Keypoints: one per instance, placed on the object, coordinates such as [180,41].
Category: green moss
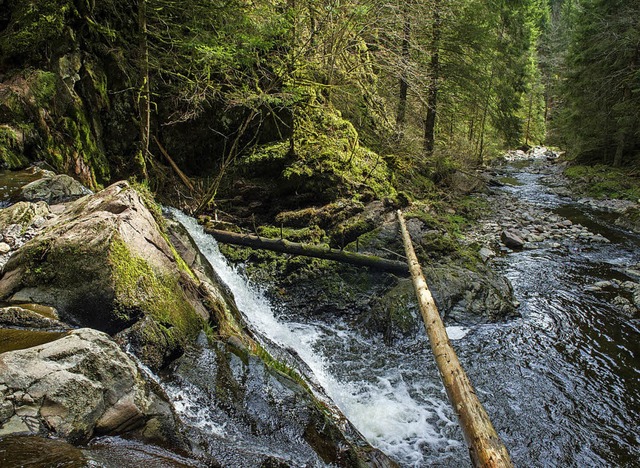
[473,207]
[350,230]
[311,234]
[147,197]
[602,181]
[36,29]
[138,286]
[278,366]
[43,87]
[328,159]
[11,149]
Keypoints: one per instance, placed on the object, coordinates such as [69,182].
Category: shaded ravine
[560,383]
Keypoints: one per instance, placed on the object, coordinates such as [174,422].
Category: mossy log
[308,250]
[485,447]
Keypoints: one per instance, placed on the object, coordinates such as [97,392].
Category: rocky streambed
[119,338]
[535,209]
[126,340]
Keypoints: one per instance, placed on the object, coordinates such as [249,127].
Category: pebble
[38,222]
[486,254]
[4,248]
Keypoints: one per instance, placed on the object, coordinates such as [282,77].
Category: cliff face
[67,92]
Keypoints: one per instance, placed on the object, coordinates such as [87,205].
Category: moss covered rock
[105,263]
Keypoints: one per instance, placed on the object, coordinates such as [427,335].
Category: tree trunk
[485,447]
[404,79]
[432,98]
[144,99]
[307,250]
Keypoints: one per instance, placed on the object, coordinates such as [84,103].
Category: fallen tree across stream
[485,447]
[309,250]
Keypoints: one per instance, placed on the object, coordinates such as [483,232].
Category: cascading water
[381,391]
[560,383]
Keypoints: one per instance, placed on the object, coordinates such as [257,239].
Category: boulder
[79,386]
[511,239]
[104,262]
[25,318]
[54,189]
[22,214]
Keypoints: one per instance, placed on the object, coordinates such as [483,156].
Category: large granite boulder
[104,262]
[78,386]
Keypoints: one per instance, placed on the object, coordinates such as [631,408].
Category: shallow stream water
[560,383]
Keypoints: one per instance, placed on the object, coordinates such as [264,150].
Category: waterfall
[386,403]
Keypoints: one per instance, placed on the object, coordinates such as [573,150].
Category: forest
[384,95]
[209,211]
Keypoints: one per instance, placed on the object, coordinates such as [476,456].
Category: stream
[560,383]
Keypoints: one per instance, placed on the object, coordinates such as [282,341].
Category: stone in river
[511,239]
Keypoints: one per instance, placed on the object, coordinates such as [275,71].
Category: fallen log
[308,250]
[485,447]
[185,180]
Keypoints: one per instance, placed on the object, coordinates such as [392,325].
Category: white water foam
[385,411]
[456,332]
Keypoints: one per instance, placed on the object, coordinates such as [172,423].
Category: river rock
[53,189]
[511,239]
[21,214]
[25,318]
[486,254]
[79,386]
[258,411]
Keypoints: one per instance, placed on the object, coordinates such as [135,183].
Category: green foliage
[601,181]
[328,159]
[37,29]
[599,119]
[11,148]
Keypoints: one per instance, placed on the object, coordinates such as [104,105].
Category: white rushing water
[387,409]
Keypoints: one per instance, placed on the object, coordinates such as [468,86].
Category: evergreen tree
[600,119]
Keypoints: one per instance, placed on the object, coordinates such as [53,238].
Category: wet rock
[25,318]
[634,289]
[78,386]
[53,189]
[262,416]
[511,239]
[4,248]
[625,306]
[633,273]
